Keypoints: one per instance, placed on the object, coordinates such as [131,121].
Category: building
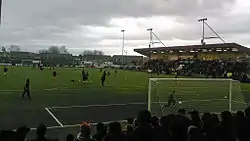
[52,59]
[96,58]
[202,52]
[127,59]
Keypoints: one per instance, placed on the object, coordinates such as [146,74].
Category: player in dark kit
[103,78]
[26,88]
[84,76]
[5,70]
[171,99]
[54,73]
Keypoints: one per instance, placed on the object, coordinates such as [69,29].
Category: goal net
[167,95]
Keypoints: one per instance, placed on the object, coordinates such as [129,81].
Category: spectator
[70,137]
[182,112]
[115,132]
[195,119]
[194,134]
[41,131]
[22,133]
[8,136]
[179,128]
[144,131]
[226,130]
[85,133]
[155,123]
[101,132]
[164,134]
[242,126]
[129,132]
[247,113]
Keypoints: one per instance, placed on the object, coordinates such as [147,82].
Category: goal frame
[192,79]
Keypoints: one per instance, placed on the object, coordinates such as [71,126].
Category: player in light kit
[171,99]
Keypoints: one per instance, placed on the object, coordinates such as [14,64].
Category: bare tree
[54,50]
[15,48]
[92,52]
[3,49]
[43,51]
[63,50]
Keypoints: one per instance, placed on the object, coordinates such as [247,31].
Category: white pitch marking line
[54,117]
[127,104]
[89,106]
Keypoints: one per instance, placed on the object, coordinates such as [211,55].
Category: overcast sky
[97,24]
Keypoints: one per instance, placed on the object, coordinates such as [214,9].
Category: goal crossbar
[192,79]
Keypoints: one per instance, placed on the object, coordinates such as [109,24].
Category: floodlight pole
[203,29]
[150,41]
[150,37]
[204,23]
[123,46]
[126,53]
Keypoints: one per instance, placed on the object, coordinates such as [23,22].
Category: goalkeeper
[171,99]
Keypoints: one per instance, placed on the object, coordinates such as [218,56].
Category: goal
[167,95]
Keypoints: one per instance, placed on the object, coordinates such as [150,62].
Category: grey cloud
[39,23]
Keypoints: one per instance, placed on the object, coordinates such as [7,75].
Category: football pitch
[59,102]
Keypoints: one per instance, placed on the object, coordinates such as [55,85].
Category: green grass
[125,87]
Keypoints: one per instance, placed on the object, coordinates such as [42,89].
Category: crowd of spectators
[214,68]
[181,126]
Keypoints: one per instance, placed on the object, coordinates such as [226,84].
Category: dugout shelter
[201,52]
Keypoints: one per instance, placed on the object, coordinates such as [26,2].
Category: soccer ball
[180,102]
[225,97]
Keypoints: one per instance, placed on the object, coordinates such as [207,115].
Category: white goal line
[127,104]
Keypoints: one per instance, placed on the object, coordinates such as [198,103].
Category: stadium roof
[240,48]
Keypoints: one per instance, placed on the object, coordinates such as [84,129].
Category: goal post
[167,95]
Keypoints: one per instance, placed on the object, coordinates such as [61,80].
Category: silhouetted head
[240,114]
[85,129]
[70,137]
[247,112]
[115,127]
[226,116]
[144,117]
[41,130]
[22,132]
[182,111]
[100,127]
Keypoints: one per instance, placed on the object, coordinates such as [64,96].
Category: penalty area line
[92,106]
[54,117]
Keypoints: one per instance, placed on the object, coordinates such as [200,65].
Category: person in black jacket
[27,88]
